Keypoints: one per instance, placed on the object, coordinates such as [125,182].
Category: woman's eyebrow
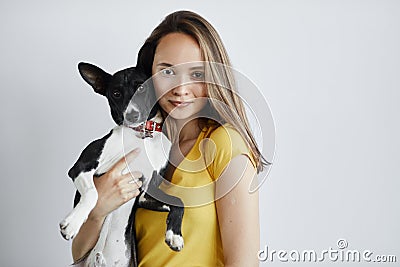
[168,65]
[164,64]
[198,67]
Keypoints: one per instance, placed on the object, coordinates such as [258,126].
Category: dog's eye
[117,94]
[140,89]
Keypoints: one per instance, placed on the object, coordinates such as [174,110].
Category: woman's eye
[140,88]
[167,72]
[117,94]
[199,75]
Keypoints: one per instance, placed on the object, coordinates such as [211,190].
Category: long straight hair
[224,103]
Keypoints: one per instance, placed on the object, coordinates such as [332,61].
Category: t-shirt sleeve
[224,144]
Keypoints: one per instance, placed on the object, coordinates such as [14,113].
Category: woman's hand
[114,189]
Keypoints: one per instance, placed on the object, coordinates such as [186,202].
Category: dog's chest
[153,151]
[112,246]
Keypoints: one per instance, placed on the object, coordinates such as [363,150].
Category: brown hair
[221,91]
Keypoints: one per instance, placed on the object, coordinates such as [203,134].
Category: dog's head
[131,100]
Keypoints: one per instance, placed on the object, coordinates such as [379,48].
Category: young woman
[213,158]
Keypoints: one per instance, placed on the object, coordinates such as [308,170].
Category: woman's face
[178,76]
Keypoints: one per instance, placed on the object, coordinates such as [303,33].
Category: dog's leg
[149,200]
[173,236]
[73,221]
[96,257]
[82,174]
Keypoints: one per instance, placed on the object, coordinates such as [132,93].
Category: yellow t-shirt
[192,181]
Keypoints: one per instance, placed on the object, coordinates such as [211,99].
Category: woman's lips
[180,104]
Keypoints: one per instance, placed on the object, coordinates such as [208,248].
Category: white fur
[173,240]
[111,249]
[74,220]
[165,207]
[142,198]
[129,108]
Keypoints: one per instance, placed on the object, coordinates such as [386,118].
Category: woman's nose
[181,89]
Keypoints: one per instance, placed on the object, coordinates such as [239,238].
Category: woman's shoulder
[226,144]
[226,134]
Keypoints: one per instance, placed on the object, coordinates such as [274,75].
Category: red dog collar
[148,128]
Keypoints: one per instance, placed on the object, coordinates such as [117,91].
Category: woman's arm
[114,189]
[238,213]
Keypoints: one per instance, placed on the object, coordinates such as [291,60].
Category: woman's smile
[179,76]
[180,104]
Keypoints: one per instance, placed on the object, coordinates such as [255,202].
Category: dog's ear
[96,77]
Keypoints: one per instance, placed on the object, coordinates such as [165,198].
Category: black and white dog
[138,126]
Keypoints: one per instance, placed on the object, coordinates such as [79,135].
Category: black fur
[88,160]
[119,89]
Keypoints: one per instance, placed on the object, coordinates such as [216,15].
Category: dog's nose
[132,116]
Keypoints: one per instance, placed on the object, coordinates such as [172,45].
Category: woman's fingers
[115,188]
[129,188]
[130,179]
[129,185]
[133,176]
[124,162]
[129,195]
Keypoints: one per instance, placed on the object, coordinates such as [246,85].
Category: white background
[330,71]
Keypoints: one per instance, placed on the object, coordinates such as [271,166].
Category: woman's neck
[188,129]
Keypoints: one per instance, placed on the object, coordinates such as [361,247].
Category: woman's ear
[95,77]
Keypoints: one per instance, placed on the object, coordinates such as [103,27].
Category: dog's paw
[174,241]
[100,260]
[65,230]
[69,228]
